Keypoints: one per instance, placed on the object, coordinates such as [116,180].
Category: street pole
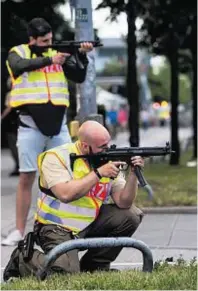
[87,90]
[84,31]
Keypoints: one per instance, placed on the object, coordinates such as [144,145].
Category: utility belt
[26,246]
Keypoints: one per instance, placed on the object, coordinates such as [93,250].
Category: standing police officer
[40,93]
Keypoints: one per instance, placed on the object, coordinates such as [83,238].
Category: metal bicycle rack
[87,243]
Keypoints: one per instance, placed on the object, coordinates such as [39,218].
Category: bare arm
[126,196]
[74,189]
[58,178]
[7,109]
[5,112]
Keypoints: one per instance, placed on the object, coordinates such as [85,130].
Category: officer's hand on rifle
[110,170]
[85,47]
[137,161]
[60,58]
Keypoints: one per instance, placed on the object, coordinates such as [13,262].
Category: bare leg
[23,199]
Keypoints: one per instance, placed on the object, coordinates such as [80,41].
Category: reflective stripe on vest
[54,211]
[39,86]
[77,214]
[20,50]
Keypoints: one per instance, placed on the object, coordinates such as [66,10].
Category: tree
[132,84]
[191,45]
[194,83]
[165,29]
[167,24]
[160,83]
[130,8]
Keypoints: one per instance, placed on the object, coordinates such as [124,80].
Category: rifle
[123,154]
[70,47]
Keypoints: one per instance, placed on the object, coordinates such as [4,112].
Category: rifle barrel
[69,46]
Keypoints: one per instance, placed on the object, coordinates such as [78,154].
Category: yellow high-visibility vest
[78,214]
[39,86]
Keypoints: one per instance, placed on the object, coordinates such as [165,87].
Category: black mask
[94,162]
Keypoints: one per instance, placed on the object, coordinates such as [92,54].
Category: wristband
[97,174]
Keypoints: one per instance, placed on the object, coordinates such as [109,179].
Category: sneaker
[192,163]
[12,239]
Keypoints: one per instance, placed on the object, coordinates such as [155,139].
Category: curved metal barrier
[87,243]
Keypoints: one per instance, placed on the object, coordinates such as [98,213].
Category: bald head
[93,133]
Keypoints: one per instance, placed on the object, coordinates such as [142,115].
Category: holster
[27,246]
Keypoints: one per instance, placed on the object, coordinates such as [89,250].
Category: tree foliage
[132,85]
[167,27]
[160,83]
[164,16]
[171,29]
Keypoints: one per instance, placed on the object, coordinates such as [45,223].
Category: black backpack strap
[21,123]
[45,190]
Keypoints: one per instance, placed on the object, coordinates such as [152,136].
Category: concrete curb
[170,210]
[146,210]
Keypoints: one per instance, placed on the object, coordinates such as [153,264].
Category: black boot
[12,268]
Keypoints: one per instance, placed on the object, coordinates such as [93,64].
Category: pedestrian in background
[123,117]
[112,120]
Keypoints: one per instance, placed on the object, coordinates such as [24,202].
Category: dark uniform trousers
[111,222]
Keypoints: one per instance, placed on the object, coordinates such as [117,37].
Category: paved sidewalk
[168,234]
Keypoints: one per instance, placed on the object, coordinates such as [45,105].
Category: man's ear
[85,146]
[32,40]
